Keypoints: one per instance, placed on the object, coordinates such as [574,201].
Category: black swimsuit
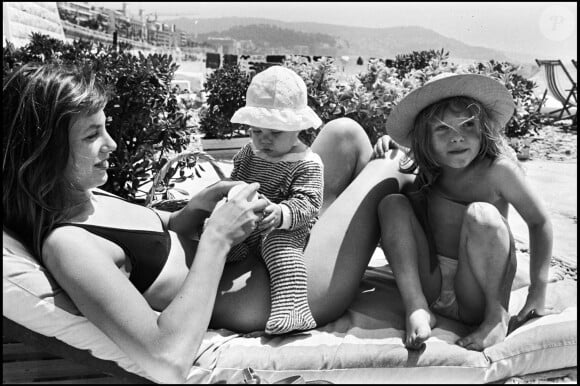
[147,250]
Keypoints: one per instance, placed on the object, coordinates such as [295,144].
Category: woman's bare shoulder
[65,242]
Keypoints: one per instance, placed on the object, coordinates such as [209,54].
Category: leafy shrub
[143,113]
[367,98]
[418,60]
[226,88]
[527,117]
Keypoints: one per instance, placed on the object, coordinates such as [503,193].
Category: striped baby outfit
[296,182]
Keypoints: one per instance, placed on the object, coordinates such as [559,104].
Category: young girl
[291,178]
[449,244]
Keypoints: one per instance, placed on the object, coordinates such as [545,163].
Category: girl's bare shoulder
[505,168]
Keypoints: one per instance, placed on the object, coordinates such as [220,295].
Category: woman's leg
[345,237]
[485,273]
[407,252]
[341,242]
[345,150]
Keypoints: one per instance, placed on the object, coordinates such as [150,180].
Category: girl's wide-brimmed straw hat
[494,96]
[277,99]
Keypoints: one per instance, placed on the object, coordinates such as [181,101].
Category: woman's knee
[484,220]
[343,133]
[344,129]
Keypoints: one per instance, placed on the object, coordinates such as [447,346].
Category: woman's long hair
[493,144]
[38,104]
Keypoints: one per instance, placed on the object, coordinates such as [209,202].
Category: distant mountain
[358,41]
[266,38]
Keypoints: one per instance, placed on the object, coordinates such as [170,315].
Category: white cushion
[365,345]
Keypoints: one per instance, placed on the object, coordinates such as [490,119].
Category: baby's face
[273,143]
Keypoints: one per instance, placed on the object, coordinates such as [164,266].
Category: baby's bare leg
[407,251]
[484,275]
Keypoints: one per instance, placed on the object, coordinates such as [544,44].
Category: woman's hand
[237,218]
[382,146]
[207,198]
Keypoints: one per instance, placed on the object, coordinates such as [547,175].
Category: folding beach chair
[568,100]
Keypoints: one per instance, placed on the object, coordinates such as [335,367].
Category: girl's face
[274,143]
[455,138]
[90,147]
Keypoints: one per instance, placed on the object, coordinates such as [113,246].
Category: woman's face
[274,143]
[455,138]
[90,147]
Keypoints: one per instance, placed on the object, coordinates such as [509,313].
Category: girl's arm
[514,188]
[164,345]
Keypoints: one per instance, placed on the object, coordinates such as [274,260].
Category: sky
[547,30]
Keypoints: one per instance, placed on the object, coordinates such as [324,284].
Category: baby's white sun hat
[277,99]
[494,96]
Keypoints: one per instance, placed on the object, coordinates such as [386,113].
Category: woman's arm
[188,221]
[163,345]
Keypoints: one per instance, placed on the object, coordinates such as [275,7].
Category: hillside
[267,38]
[355,41]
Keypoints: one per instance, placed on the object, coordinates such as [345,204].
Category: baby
[291,178]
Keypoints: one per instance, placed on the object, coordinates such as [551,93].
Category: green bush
[366,98]
[527,118]
[418,60]
[369,97]
[226,88]
[144,117]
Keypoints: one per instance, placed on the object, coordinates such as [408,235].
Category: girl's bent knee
[394,203]
[481,217]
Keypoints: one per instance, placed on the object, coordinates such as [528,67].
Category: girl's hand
[272,218]
[237,218]
[382,146]
[535,306]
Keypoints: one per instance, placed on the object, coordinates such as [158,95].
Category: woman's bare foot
[491,331]
[419,325]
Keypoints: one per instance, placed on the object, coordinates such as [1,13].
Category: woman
[119,270]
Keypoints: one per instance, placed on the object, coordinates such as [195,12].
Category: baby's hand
[272,218]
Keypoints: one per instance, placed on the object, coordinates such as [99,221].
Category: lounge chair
[567,97]
[364,345]
[30,357]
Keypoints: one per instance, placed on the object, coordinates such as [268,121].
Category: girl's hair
[38,104]
[493,144]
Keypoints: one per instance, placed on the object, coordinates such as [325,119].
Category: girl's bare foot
[419,325]
[491,331]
